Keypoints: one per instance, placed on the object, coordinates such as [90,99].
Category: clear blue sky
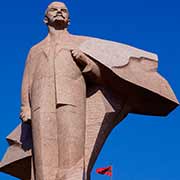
[141,147]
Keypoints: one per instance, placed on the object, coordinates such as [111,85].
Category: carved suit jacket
[49,76]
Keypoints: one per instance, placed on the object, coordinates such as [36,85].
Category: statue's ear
[69,21]
[45,20]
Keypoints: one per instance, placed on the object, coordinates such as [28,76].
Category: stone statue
[75,90]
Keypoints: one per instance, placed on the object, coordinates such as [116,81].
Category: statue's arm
[25,113]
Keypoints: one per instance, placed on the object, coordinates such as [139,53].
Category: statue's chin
[59,24]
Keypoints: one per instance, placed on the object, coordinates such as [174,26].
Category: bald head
[56,4]
[57,12]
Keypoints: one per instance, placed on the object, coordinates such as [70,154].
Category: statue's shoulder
[79,39]
[38,47]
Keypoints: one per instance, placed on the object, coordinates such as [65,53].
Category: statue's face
[57,12]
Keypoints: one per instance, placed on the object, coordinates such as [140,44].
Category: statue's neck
[57,34]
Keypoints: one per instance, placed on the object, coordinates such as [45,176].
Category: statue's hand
[25,114]
[81,58]
[79,55]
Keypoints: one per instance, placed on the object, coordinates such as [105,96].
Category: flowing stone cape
[132,85]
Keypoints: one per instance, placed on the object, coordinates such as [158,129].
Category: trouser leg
[71,141]
[45,147]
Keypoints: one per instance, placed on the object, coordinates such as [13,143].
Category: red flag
[106,171]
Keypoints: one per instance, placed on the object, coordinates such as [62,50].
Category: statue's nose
[59,11]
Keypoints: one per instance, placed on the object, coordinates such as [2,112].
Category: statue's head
[57,14]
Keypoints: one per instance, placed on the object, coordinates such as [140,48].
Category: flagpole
[111,173]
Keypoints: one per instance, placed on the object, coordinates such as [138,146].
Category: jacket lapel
[46,47]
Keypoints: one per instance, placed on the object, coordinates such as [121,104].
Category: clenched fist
[25,114]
